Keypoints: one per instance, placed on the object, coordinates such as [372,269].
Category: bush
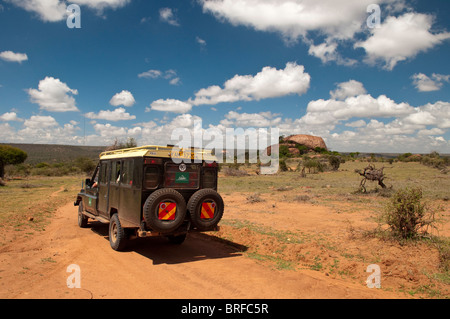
[314,164]
[85,164]
[228,171]
[282,165]
[335,162]
[406,215]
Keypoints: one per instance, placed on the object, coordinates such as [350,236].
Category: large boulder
[309,141]
[292,141]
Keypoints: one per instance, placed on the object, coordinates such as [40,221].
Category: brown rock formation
[308,140]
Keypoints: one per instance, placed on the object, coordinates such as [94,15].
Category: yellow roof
[159,151]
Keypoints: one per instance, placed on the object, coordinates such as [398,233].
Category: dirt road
[36,267]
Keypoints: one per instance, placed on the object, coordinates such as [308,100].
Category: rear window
[151,177]
[182,175]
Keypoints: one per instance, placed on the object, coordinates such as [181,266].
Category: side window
[127,175]
[115,172]
[102,173]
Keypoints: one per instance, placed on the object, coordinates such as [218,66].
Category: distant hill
[52,153]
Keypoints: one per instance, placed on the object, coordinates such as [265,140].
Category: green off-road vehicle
[152,191]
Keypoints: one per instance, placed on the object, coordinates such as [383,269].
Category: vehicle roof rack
[168,151]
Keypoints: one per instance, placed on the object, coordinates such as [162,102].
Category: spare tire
[164,210]
[205,208]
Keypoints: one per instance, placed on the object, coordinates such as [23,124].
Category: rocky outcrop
[294,141]
[309,141]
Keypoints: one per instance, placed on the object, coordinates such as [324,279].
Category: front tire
[82,219]
[117,238]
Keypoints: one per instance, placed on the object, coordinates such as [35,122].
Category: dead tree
[372,174]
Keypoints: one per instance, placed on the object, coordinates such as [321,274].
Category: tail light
[153,161]
[206,164]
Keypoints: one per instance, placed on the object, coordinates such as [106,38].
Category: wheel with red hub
[164,210]
[205,208]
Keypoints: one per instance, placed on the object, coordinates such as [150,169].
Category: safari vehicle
[149,191]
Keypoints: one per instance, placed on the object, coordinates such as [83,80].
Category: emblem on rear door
[182,167]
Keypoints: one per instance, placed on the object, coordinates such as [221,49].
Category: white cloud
[53,95]
[327,52]
[425,84]
[167,15]
[293,19]
[358,123]
[200,41]
[47,10]
[118,114]
[332,111]
[400,38]
[10,116]
[10,56]
[124,98]
[347,89]
[170,75]
[150,74]
[39,122]
[440,111]
[55,10]
[170,105]
[262,119]
[175,81]
[268,83]
[101,4]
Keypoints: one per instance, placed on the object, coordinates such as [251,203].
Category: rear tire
[82,219]
[117,238]
[152,206]
[206,195]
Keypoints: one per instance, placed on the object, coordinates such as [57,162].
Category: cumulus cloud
[268,83]
[425,84]
[293,19]
[53,95]
[170,105]
[332,111]
[124,98]
[10,56]
[10,116]
[397,39]
[38,121]
[55,10]
[262,119]
[118,114]
[347,89]
[400,38]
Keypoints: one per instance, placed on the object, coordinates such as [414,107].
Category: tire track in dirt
[36,267]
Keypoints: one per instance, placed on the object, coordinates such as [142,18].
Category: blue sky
[141,69]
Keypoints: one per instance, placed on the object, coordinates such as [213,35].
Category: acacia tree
[10,155]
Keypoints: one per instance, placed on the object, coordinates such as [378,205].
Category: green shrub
[335,162]
[282,165]
[406,216]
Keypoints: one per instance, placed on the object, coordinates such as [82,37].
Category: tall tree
[10,155]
